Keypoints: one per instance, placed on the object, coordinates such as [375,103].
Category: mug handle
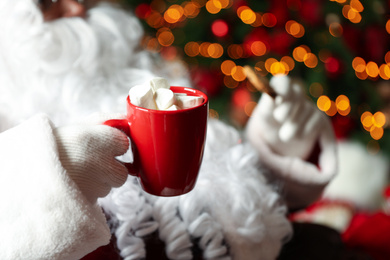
[123,125]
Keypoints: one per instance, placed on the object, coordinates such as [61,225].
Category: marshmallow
[188,101]
[142,96]
[164,98]
[156,94]
[157,83]
[173,107]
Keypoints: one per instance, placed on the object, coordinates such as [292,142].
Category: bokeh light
[238,73]
[174,14]
[258,48]
[192,49]
[219,28]
[227,67]
[165,36]
[323,103]
[213,6]
[300,52]
[295,29]
[269,20]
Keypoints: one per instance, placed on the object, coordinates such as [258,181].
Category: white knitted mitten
[284,131]
[88,152]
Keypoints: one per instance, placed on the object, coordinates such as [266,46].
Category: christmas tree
[339,48]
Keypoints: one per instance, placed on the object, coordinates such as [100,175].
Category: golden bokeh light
[384,71]
[374,123]
[352,13]
[310,60]
[332,109]
[192,49]
[295,29]
[241,9]
[356,5]
[358,64]
[269,62]
[387,55]
[191,9]
[155,20]
[372,69]
[344,112]
[215,50]
[342,102]
[366,120]
[300,52]
[174,14]
[361,75]
[238,73]
[278,68]
[227,66]
[388,26]
[376,132]
[289,62]
[203,49]
[323,103]
[248,16]
[355,17]
[379,119]
[258,48]
[225,3]
[213,6]
[165,37]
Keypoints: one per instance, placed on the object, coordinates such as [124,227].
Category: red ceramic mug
[167,145]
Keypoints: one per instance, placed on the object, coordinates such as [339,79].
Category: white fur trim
[232,211]
[362,177]
[43,216]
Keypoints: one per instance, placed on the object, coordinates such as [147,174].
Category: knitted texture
[88,154]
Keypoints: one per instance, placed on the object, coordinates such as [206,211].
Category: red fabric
[370,233]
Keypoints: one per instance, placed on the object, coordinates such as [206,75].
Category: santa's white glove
[88,152]
[284,130]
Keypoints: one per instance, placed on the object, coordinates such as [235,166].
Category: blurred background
[339,48]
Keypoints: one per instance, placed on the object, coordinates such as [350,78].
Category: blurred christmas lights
[167,19]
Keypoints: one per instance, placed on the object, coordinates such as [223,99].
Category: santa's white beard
[72,67]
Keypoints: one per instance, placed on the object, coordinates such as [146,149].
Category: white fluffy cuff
[44,215]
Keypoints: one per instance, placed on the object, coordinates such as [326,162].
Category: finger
[114,141]
[283,111]
[288,106]
[282,85]
[293,126]
[93,188]
[314,123]
[117,173]
[265,107]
